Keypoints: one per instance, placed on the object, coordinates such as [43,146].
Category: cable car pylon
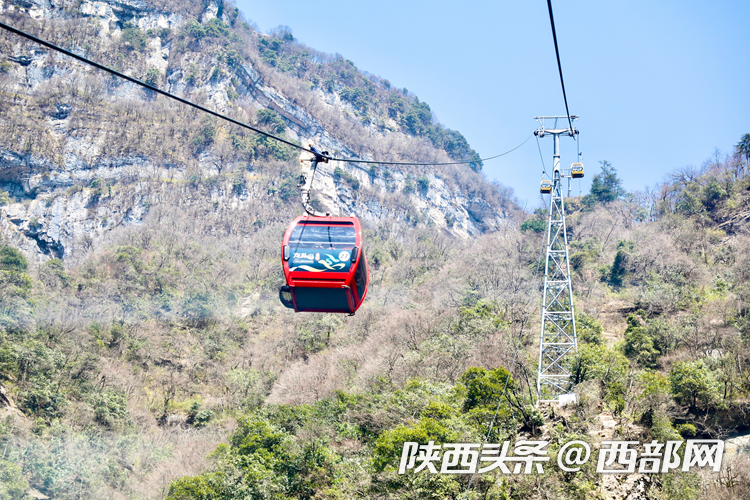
[558,340]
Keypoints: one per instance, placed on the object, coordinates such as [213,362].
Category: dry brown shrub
[188,451]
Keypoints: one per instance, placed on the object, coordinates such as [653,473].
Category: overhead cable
[559,66]
[145,85]
[448,163]
[544,169]
[224,117]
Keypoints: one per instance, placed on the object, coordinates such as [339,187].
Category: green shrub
[693,383]
[110,409]
[681,486]
[390,444]
[588,329]
[198,309]
[14,280]
[215,27]
[77,188]
[286,189]
[639,344]
[52,273]
[269,148]
[133,37]
[535,225]
[687,430]
[355,96]
[8,359]
[152,76]
[195,30]
[13,486]
[437,411]
[203,417]
[270,119]
[607,365]
[620,268]
[484,387]
[12,260]
[43,399]
[340,173]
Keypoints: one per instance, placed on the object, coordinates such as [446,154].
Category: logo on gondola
[307,256]
[344,256]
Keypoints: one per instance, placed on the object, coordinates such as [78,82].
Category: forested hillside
[143,349]
[129,369]
[84,153]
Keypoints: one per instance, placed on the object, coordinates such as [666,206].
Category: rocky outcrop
[8,407]
[625,487]
[64,206]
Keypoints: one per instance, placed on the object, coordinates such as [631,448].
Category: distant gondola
[545,186]
[324,265]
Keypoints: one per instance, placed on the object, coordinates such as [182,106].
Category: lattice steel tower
[558,336]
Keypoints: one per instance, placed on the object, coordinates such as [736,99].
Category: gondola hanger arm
[305,183]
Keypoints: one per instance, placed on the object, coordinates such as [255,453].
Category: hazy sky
[657,84]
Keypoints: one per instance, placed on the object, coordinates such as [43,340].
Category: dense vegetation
[160,364]
[175,332]
[372,100]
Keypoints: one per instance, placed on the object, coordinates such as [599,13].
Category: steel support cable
[512,366]
[145,85]
[559,66]
[541,156]
[580,160]
[224,117]
[413,163]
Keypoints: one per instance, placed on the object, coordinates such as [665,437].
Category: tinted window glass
[321,247]
[321,236]
[321,299]
[360,277]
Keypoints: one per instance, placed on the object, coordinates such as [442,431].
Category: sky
[657,85]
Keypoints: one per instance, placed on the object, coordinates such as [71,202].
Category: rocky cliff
[83,153]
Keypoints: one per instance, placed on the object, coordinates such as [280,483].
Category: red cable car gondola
[324,265]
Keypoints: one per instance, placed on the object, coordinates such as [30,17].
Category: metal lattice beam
[558,331]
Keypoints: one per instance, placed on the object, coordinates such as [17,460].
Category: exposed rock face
[61,207]
[624,487]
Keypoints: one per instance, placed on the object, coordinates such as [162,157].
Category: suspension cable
[224,117]
[145,85]
[580,160]
[559,66]
[412,163]
[541,157]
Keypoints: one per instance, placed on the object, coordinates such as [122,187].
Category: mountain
[144,352]
[84,153]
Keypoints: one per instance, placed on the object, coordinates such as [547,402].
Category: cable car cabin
[576,170]
[324,265]
[545,186]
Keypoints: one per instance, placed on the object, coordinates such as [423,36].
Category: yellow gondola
[545,187]
[576,170]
